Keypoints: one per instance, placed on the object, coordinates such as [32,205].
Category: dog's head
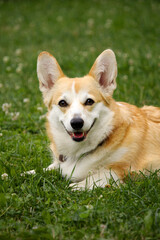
[77,103]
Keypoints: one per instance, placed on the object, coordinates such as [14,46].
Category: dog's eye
[63,103]
[89,101]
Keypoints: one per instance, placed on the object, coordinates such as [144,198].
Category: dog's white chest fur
[91,169]
[94,162]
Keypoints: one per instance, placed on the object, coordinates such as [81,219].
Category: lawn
[75,32]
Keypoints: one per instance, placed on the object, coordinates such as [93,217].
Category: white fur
[77,169]
[101,178]
[120,104]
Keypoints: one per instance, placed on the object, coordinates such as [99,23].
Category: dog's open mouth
[78,136]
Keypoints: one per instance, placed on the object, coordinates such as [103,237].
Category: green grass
[75,32]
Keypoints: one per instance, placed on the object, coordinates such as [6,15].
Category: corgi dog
[93,137]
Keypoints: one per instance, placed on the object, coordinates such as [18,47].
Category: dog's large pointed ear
[48,71]
[104,70]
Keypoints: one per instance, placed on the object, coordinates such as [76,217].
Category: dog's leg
[99,179]
[56,163]
[52,166]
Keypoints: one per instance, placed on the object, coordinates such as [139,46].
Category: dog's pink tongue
[78,134]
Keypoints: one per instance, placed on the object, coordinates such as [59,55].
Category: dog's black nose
[77,123]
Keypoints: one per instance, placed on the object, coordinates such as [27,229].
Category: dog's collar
[63,158]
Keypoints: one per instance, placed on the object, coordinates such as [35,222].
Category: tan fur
[136,128]
[52,145]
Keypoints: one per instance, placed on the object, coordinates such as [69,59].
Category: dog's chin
[78,136]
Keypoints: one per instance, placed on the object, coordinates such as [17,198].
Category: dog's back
[152,113]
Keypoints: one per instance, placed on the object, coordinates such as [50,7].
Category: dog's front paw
[81,186]
[52,166]
[77,186]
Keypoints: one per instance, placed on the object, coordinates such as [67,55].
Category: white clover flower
[125,77]
[90,22]
[99,13]
[131,68]
[92,49]
[5,107]
[35,227]
[8,69]
[42,116]
[119,53]
[108,23]
[84,54]
[17,87]
[1,134]
[19,68]
[102,226]
[101,196]
[125,55]
[18,52]
[13,194]
[131,62]
[148,55]
[89,32]
[25,100]
[4,176]
[89,206]
[14,115]
[59,19]
[30,80]
[6,59]
[16,27]
[102,229]
[40,109]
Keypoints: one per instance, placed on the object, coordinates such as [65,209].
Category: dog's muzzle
[78,135]
[77,124]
